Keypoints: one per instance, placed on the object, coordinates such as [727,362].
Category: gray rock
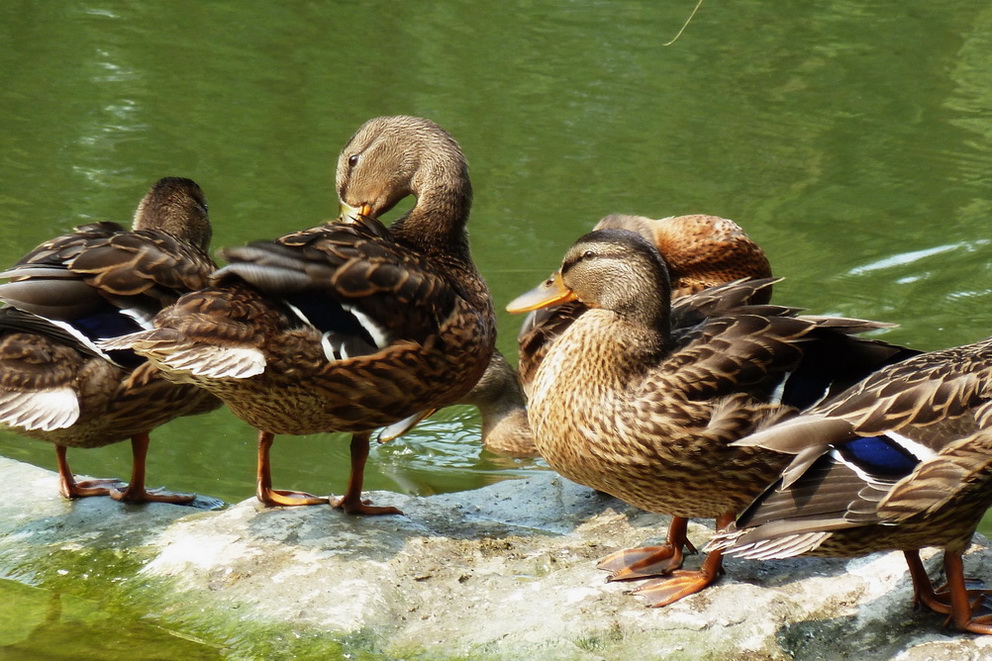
[507,571]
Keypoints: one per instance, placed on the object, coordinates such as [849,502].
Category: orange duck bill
[350,214]
[550,292]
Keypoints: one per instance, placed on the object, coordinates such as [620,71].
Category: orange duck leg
[132,492]
[962,607]
[136,491]
[351,502]
[263,486]
[940,600]
[71,489]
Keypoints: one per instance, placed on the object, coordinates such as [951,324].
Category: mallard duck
[900,461]
[347,326]
[97,282]
[701,251]
[641,398]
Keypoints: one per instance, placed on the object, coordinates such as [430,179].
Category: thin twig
[685,25]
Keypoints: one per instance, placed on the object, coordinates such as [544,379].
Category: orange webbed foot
[940,600]
[978,618]
[130,495]
[284,498]
[88,488]
[969,608]
[981,624]
[353,506]
[643,562]
[648,561]
[664,591]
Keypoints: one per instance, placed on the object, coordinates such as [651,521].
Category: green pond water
[852,140]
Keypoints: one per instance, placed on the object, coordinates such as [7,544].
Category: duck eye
[353,160]
[588,254]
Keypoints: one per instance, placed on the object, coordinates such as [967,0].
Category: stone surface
[507,571]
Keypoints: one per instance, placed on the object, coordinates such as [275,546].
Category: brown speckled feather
[347,326]
[648,412]
[357,264]
[936,406]
[102,263]
[436,337]
[701,251]
[55,384]
[643,399]
[658,433]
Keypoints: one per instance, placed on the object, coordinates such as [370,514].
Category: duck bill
[350,214]
[550,292]
[400,428]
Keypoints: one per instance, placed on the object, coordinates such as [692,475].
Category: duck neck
[638,341]
[436,226]
[649,318]
[621,351]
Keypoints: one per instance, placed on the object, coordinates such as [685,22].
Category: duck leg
[938,600]
[351,502]
[962,608]
[923,592]
[664,591]
[135,491]
[71,489]
[263,485]
[648,561]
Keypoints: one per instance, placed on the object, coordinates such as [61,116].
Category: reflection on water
[45,624]
[850,139]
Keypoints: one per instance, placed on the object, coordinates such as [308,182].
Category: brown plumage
[701,251]
[347,326]
[641,398]
[502,407]
[901,461]
[96,282]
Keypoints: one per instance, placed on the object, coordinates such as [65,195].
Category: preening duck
[347,326]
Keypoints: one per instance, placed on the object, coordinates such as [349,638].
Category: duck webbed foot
[976,617]
[138,494]
[71,489]
[281,497]
[663,591]
[940,600]
[648,561]
[134,491]
[263,486]
[970,609]
[351,502]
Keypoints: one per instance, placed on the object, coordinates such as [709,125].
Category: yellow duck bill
[550,292]
[350,214]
